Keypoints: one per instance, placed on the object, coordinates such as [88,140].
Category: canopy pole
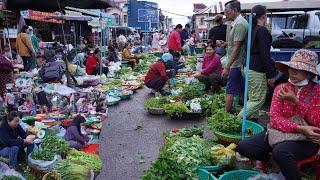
[244,117]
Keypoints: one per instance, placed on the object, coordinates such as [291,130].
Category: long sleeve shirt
[11,137]
[24,45]
[73,134]
[91,64]
[308,108]
[260,54]
[175,41]
[211,64]
[156,70]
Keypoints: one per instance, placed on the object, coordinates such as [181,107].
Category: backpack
[51,71]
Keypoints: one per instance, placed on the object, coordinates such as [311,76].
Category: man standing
[24,48]
[185,34]
[175,40]
[235,51]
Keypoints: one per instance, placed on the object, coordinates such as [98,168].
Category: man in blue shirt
[185,34]
[13,139]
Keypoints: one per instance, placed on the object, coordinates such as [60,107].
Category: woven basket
[238,175]
[52,175]
[236,138]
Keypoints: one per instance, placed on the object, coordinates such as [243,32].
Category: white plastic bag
[45,166]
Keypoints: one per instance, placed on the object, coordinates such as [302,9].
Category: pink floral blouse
[308,108]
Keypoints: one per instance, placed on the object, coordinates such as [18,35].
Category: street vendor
[93,64]
[126,54]
[157,75]
[73,134]
[294,132]
[175,63]
[13,140]
[210,73]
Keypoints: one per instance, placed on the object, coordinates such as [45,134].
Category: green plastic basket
[238,175]
[236,138]
[203,172]
[199,50]
[158,54]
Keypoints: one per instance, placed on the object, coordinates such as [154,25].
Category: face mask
[301,83]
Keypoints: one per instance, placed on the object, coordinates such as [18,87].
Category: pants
[156,84]
[27,63]
[11,153]
[286,154]
[22,156]
[235,84]
[257,90]
[192,49]
[211,81]
[105,71]
[75,144]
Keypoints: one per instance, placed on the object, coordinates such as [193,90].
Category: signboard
[40,16]
[145,15]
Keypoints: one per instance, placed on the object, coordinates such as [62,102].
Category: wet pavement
[131,138]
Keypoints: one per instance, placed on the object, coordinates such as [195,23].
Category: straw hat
[301,60]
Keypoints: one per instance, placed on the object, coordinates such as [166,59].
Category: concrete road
[131,138]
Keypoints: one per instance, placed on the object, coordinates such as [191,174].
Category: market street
[128,149]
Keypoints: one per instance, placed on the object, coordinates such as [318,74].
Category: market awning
[70,18]
[54,5]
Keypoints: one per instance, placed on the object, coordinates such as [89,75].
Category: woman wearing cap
[261,70]
[157,76]
[297,99]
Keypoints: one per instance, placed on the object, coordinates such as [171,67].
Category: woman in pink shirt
[210,75]
[297,99]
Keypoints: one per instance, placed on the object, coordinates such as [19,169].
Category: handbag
[275,136]
[5,64]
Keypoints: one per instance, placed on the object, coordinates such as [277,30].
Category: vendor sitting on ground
[157,76]
[84,108]
[176,64]
[13,140]
[126,55]
[294,109]
[93,64]
[43,101]
[211,71]
[112,54]
[73,134]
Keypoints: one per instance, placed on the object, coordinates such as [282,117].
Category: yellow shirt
[23,45]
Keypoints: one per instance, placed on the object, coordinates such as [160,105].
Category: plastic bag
[6,171]
[195,107]
[45,166]
[223,156]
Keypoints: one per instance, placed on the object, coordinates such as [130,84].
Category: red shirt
[281,111]
[91,64]
[211,64]
[175,41]
[157,69]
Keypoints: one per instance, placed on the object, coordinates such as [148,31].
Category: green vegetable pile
[55,144]
[179,159]
[176,109]
[185,132]
[45,155]
[210,104]
[85,159]
[157,102]
[227,123]
[192,91]
[10,178]
[69,170]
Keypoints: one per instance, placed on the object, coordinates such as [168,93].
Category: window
[117,18]
[125,19]
[201,21]
[297,22]
[280,22]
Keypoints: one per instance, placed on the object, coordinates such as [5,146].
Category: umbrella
[54,5]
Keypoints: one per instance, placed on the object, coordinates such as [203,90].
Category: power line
[167,11]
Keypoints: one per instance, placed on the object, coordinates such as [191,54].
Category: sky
[185,7]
